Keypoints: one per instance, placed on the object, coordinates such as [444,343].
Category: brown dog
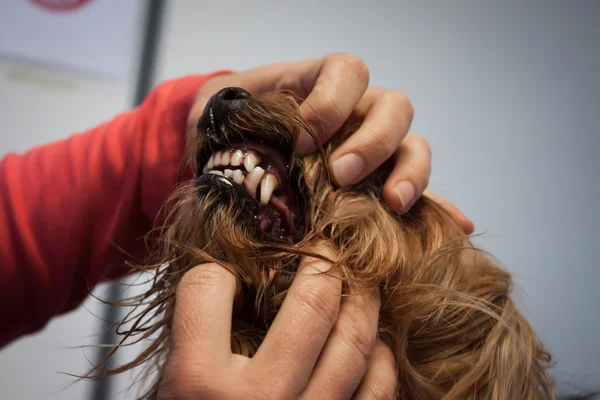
[255,208]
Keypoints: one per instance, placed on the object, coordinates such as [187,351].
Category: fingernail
[348,168]
[406,192]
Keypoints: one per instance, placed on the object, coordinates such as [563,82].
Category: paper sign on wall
[95,37]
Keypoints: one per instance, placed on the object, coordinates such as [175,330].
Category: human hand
[319,345]
[335,86]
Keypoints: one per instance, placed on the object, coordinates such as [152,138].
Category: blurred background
[507,93]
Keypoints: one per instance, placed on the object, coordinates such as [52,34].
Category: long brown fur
[446,312]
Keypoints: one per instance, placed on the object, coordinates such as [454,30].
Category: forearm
[69,210]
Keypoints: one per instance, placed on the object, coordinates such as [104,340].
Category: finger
[337,82]
[381,380]
[203,312]
[410,176]
[330,85]
[298,77]
[343,361]
[293,343]
[388,116]
[465,223]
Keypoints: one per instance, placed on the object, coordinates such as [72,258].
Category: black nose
[230,94]
[220,105]
[228,100]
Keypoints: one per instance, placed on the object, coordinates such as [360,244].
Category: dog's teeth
[236,158]
[217,158]
[216,172]
[267,185]
[251,161]
[238,176]
[228,173]
[211,161]
[253,179]
[225,157]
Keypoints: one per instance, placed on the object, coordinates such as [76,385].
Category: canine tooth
[225,157]
[216,172]
[211,161]
[253,178]
[251,161]
[267,185]
[236,158]
[238,176]
[228,173]
[217,158]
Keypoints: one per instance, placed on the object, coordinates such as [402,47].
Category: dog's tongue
[283,211]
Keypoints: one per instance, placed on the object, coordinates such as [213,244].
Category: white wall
[507,93]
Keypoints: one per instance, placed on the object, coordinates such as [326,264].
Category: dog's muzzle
[247,164]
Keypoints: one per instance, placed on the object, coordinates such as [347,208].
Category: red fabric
[67,207]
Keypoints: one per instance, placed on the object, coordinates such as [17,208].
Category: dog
[254,207]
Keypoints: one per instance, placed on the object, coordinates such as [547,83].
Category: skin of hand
[321,345]
[333,87]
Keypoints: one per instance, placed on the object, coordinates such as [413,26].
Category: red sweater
[67,207]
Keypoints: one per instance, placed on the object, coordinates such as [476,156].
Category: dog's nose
[227,100]
[231,94]
[221,104]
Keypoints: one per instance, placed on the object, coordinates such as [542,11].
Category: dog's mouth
[262,172]
[250,164]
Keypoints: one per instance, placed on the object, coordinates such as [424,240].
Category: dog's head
[254,207]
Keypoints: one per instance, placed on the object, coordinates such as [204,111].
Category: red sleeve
[67,207]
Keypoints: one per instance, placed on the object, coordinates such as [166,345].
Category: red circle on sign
[61,5]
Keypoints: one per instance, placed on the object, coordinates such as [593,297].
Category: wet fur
[446,313]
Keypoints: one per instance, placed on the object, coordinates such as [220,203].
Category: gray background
[507,93]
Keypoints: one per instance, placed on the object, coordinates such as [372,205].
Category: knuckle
[206,275]
[181,378]
[355,64]
[360,340]
[401,102]
[384,390]
[323,111]
[380,142]
[318,302]
[421,142]
[422,145]
[268,389]
[329,102]
[384,384]
[272,393]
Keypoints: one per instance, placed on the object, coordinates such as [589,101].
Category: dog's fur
[446,308]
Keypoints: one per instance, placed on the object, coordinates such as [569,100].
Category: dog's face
[245,157]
